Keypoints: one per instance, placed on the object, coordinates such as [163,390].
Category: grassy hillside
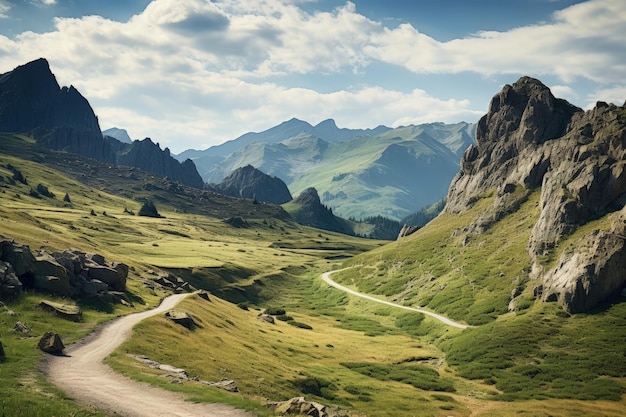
[536,352]
[365,357]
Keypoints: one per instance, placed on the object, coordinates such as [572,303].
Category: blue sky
[194,73]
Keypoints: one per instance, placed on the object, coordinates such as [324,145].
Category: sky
[192,74]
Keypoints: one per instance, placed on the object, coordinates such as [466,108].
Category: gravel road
[443,319]
[84,378]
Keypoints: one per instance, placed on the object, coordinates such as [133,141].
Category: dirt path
[82,375]
[329,281]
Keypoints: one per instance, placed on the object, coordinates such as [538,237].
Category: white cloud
[4,9]
[49,2]
[203,72]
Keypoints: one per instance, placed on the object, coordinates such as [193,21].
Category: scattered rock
[51,343]
[182,318]
[68,312]
[225,384]
[21,327]
[267,318]
[10,285]
[204,295]
[300,407]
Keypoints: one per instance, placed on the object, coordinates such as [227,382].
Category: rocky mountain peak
[528,140]
[249,182]
[524,113]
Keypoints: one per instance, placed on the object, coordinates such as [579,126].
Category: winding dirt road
[443,319]
[82,375]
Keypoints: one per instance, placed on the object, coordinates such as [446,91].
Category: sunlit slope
[534,351]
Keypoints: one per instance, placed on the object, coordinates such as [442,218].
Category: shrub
[300,325]
[275,311]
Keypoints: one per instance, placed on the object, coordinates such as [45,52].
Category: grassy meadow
[365,357]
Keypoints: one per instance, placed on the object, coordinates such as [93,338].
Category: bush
[300,325]
[275,311]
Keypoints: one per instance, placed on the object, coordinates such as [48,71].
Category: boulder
[68,312]
[110,276]
[182,318]
[10,285]
[266,318]
[225,384]
[19,256]
[21,327]
[300,407]
[72,260]
[51,343]
[53,285]
[204,295]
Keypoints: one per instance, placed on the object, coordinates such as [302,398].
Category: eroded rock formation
[530,139]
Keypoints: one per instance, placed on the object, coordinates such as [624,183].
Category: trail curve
[443,319]
[84,378]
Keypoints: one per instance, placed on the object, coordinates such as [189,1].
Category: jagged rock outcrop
[60,118]
[69,273]
[249,182]
[407,230]
[530,139]
[148,156]
[311,212]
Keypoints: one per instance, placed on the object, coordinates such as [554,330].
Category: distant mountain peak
[249,182]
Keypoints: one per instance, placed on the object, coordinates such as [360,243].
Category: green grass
[538,361]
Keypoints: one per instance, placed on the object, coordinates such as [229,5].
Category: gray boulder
[10,285]
[301,407]
[19,256]
[68,312]
[182,318]
[110,276]
[51,343]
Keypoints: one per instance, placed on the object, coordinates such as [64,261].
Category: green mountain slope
[391,174]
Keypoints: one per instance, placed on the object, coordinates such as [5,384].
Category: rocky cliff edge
[528,140]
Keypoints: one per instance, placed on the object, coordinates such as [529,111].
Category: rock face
[407,230]
[249,182]
[529,139]
[311,212]
[51,343]
[60,118]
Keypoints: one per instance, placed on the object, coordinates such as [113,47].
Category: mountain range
[32,102]
[359,173]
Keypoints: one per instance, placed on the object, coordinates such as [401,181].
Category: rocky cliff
[249,182]
[528,140]
[148,156]
[60,118]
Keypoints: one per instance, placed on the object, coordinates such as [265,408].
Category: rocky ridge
[530,139]
[61,119]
